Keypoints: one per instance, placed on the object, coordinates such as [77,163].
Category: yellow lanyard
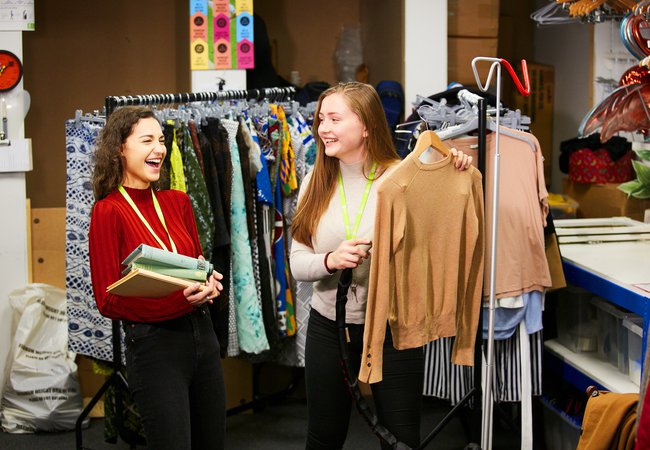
[351,233]
[156,206]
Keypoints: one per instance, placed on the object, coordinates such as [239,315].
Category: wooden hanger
[429,139]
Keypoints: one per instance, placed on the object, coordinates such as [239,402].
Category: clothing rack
[485,422]
[272,94]
[475,392]
[497,63]
[116,378]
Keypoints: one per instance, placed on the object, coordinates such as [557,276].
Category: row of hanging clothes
[241,162]
[528,259]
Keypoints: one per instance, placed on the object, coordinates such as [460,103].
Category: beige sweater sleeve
[305,263]
[389,229]
[469,301]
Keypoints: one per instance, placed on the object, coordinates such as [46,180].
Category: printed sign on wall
[18,15]
[221,34]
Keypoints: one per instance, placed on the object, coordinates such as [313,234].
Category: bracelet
[330,271]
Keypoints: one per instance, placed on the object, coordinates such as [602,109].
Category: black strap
[349,373]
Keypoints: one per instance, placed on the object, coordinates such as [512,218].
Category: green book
[178,272]
[145,254]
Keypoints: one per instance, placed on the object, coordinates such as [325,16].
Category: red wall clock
[11,70]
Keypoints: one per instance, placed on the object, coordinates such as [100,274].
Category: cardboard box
[539,107]
[48,246]
[238,377]
[473,18]
[604,200]
[89,384]
[461,51]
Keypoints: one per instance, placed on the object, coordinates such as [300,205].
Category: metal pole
[486,439]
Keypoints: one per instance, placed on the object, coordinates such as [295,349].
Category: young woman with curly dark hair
[172,353]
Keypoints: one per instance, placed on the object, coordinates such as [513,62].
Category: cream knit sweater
[307,263]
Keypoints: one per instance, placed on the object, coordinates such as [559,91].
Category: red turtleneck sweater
[116,230]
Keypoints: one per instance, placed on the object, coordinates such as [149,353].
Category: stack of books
[153,272]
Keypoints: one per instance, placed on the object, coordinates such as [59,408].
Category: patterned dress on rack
[89,332]
[264,200]
[244,143]
[250,327]
[176,173]
[448,381]
[293,353]
[197,190]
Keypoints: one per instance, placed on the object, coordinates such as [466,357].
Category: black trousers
[176,379]
[398,397]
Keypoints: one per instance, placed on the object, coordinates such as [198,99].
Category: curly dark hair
[109,163]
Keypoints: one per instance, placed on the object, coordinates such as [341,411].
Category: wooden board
[48,246]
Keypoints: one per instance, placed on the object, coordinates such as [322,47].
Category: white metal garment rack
[486,430]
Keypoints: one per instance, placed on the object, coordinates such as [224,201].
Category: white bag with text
[42,390]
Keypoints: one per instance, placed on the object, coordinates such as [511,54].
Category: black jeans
[398,397]
[175,376]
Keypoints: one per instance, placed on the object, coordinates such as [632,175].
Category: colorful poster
[244,31]
[199,56]
[221,34]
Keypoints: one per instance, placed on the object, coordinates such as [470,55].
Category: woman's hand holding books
[197,295]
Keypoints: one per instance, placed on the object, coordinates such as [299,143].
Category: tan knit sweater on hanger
[427,268]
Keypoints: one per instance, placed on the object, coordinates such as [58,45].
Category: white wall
[611,58]
[568,49]
[425,49]
[13,225]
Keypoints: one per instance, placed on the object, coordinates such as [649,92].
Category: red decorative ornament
[635,75]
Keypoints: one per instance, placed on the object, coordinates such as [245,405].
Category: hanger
[472,125]
[95,118]
[553,14]
[427,140]
[515,120]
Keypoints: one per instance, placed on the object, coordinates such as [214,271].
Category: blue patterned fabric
[89,332]
[264,193]
[250,327]
[293,352]
[285,326]
[308,141]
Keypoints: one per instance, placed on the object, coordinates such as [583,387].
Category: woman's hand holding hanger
[461,160]
[349,254]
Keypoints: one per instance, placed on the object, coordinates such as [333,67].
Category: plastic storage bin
[563,206]
[634,348]
[561,431]
[612,337]
[576,320]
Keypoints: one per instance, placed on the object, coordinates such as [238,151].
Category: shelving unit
[593,369]
[610,258]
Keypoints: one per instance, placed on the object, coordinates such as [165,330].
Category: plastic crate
[612,337]
[634,336]
[561,431]
[576,320]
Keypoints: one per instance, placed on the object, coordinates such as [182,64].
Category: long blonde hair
[363,100]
